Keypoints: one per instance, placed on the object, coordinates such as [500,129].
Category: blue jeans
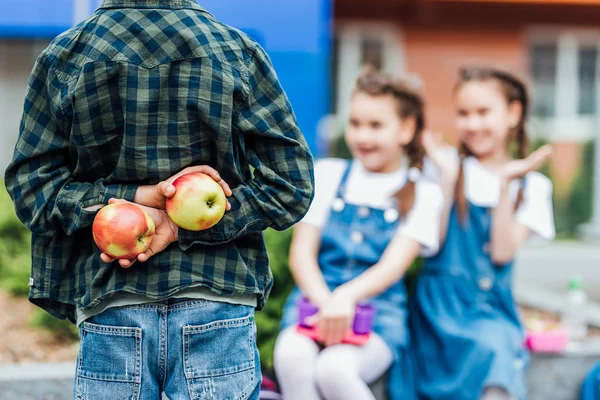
[190,349]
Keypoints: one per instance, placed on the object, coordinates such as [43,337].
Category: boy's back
[129,97]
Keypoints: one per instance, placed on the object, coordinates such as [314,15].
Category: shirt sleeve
[282,187]
[423,222]
[328,173]
[536,212]
[39,177]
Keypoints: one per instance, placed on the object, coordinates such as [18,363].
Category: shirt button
[357,237]
[485,284]
[486,248]
[363,211]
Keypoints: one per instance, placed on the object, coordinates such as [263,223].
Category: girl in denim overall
[371,217]
[467,337]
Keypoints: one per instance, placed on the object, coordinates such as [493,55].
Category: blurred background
[318,47]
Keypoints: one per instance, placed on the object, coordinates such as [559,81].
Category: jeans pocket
[109,365]
[219,359]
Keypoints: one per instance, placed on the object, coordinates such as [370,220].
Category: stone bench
[549,377]
[559,377]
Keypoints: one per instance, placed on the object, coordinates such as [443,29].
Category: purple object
[363,317]
[305,310]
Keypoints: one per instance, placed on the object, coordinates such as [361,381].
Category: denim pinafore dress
[464,321]
[353,240]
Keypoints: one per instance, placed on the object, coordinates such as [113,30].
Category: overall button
[357,237]
[363,211]
[485,284]
[487,247]
[519,363]
[338,205]
[390,215]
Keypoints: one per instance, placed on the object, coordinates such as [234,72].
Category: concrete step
[549,377]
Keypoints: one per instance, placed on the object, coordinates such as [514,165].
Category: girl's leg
[295,359]
[344,371]
[495,393]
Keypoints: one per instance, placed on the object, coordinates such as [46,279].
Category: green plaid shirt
[132,95]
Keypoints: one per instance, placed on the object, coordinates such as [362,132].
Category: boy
[118,107]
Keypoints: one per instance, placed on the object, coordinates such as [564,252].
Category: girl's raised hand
[519,168]
[441,154]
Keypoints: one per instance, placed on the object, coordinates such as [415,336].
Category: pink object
[550,341]
[351,337]
[361,326]
[268,384]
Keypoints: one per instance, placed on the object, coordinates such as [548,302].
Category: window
[543,71]
[354,45]
[566,85]
[357,44]
[588,64]
[372,50]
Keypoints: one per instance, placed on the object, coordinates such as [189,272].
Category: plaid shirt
[132,95]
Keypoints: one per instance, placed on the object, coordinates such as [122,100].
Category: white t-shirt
[376,190]
[482,188]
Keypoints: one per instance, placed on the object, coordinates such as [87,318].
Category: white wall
[16,62]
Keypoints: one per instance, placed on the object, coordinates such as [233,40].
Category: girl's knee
[334,370]
[294,351]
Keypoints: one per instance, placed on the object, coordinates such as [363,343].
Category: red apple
[199,202]
[123,230]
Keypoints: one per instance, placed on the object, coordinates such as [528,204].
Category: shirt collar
[399,175]
[167,4]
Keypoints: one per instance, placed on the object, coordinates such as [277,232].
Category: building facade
[553,44]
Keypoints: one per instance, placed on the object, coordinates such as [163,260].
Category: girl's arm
[508,235]
[448,167]
[392,265]
[304,266]
[335,317]
[418,231]
[447,184]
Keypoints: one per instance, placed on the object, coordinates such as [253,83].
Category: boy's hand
[155,196]
[165,233]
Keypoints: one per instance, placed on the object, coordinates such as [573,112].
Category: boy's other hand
[166,232]
[155,196]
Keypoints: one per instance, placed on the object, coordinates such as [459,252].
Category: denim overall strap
[341,190]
